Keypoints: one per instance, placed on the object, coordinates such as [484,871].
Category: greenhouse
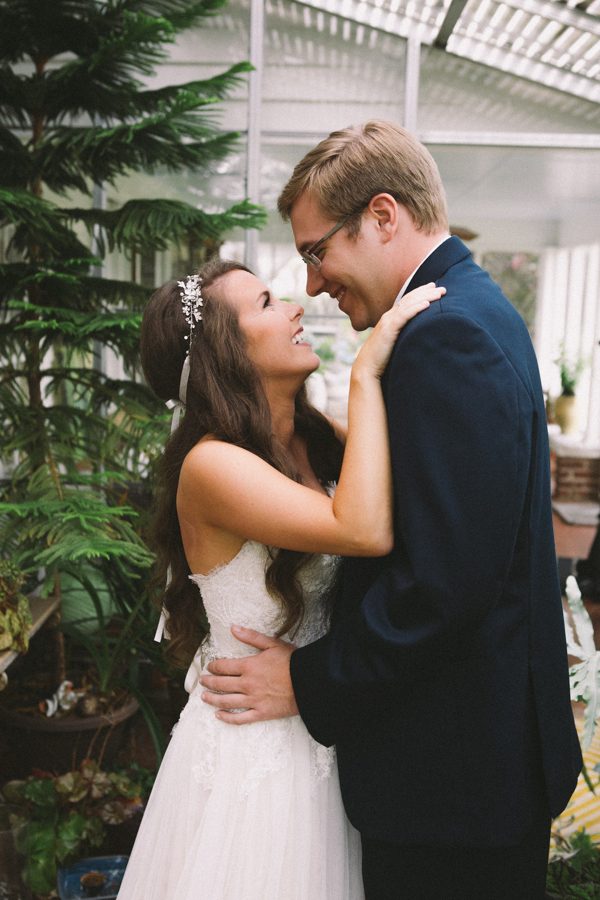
[420,557]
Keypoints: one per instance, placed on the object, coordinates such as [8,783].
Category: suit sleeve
[459,421]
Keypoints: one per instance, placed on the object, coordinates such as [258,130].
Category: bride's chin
[303,377]
[314,365]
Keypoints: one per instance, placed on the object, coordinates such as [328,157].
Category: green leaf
[41,793]
[70,835]
[36,840]
[156,223]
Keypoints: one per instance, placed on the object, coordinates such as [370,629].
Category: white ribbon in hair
[178,407]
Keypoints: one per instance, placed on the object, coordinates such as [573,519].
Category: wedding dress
[250,812]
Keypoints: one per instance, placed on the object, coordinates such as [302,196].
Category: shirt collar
[410,277]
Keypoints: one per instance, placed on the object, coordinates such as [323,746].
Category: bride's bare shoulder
[213,462]
[211,456]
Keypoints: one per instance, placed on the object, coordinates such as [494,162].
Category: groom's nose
[315,283]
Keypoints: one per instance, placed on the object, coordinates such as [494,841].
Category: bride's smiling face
[272,327]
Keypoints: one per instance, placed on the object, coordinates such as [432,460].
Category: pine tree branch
[140,224]
[41,30]
[182,13]
[180,136]
[13,98]
[72,26]
[67,283]
[38,223]
[84,86]
[102,83]
[18,207]
[15,160]
[80,526]
[79,327]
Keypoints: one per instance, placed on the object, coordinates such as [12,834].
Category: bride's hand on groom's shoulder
[375,352]
[260,685]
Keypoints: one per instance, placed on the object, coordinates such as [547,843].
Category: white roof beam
[551,140]
[524,67]
[557,13]
[375,17]
[253,155]
[476,49]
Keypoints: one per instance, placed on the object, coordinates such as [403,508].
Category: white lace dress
[248,812]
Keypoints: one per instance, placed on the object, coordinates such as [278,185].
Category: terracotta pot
[58,745]
[565,413]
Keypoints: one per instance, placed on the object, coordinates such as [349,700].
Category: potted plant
[77,688]
[57,818]
[78,441]
[15,614]
[574,868]
[565,405]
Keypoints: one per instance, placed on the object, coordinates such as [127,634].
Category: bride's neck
[283,410]
[283,425]
[283,414]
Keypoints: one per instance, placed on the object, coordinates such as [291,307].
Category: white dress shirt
[408,280]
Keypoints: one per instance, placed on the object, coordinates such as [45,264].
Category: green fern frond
[108,327]
[156,223]
[181,135]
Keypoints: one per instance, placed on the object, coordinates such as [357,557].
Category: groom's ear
[384,209]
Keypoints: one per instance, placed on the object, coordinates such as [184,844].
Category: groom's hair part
[345,170]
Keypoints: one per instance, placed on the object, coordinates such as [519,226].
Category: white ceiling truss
[555,43]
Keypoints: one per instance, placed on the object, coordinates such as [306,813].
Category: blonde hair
[345,170]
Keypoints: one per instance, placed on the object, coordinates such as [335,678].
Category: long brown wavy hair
[225,398]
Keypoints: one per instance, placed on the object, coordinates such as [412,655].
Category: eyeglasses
[310,256]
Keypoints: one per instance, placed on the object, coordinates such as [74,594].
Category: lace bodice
[236,594]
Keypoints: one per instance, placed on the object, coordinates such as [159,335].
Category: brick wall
[577,479]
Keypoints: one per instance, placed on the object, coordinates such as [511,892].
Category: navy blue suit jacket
[443,680]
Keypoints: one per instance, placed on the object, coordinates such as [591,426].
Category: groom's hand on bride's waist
[260,684]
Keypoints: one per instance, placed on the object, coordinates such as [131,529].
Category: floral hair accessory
[191,302]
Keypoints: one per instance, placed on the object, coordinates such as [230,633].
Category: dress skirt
[249,812]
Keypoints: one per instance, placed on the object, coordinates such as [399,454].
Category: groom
[443,680]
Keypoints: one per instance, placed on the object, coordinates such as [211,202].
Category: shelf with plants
[41,609]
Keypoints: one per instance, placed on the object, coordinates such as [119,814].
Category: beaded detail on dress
[236,594]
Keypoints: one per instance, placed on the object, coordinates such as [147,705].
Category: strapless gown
[249,812]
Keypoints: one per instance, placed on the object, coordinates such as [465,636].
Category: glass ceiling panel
[459,95]
[322,72]
[544,41]
[553,42]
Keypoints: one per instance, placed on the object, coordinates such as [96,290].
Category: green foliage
[325,352]
[584,676]
[56,818]
[78,444]
[139,223]
[15,615]
[574,871]
[570,371]
[517,275]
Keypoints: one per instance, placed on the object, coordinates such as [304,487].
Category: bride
[251,531]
